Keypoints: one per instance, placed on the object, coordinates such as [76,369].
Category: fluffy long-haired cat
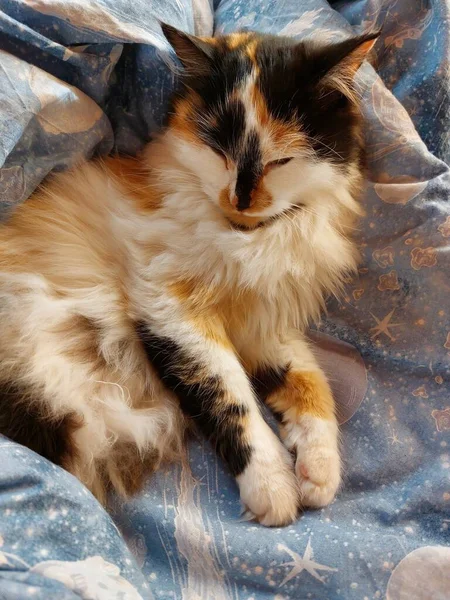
[140,294]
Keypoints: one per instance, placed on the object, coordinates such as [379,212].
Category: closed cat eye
[278,163]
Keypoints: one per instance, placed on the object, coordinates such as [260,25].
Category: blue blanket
[87,76]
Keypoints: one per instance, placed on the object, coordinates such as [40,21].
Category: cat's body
[192,268]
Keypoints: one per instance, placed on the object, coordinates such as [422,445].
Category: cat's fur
[129,287]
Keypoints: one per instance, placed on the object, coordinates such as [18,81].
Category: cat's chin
[242,223]
[245,222]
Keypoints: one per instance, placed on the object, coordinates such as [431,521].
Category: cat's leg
[296,389]
[198,363]
[90,428]
[83,395]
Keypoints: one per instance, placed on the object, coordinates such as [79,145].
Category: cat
[186,277]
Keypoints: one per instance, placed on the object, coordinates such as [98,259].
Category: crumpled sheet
[87,76]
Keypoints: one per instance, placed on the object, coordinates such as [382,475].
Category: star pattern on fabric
[383,326]
[303,563]
[393,438]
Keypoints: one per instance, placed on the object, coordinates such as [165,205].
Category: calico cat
[185,278]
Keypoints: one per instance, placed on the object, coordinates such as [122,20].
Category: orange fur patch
[260,105]
[202,304]
[133,175]
[262,199]
[214,311]
[286,138]
[64,212]
[237,40]
[209,40]
[194,293]
[213,329]
[83,338]
[127,468]
[250,50]
[183,119]
[303,392]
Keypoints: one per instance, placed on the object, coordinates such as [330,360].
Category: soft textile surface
[84,76]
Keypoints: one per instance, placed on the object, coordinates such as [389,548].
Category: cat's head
[266,122]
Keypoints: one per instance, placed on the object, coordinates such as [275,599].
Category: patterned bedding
[81,77]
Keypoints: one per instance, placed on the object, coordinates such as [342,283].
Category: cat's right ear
[194,53]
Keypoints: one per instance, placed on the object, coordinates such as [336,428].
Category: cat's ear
[194,53]
[346,57]
[336,67]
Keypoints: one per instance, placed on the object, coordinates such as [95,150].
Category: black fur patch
[289,79]
[226,136]
[268,380]
[201,398]
[21,420]
[289,74]
[227,70]
[250,169]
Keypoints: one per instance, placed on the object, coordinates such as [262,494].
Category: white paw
[318,464]
[269,488]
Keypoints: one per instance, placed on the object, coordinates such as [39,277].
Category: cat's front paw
[319,474]
[269,489]
[318,463]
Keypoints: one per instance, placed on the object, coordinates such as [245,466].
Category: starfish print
[394,437]
[303,563]
[383,326]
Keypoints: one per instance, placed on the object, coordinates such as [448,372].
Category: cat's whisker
[319,141]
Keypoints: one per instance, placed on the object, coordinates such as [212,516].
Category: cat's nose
[243,202]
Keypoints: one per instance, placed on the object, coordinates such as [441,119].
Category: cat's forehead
[278,93]
[239,54]
[244,96]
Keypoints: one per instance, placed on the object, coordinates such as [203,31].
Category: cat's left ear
[345,58]
[336,67]
[194,53]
